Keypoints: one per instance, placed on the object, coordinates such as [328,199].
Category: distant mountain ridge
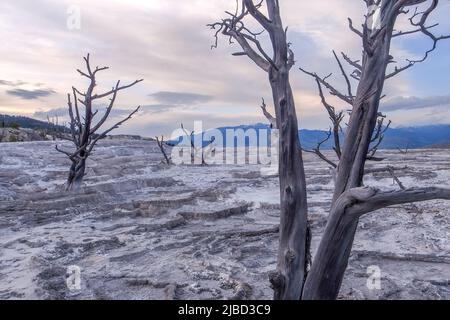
[406,137]
[416,137]
[433,136]
[26,122]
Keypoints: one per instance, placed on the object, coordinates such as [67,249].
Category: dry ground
[142,230]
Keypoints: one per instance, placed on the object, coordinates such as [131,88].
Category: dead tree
[161,144]
[56,130]
[350,200]
[195,150]
[404,151]
[295,278]
[293,252]
[2,129]
[84,133]
[53,123]
[192,149]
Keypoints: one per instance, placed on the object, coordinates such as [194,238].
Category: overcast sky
[167,43]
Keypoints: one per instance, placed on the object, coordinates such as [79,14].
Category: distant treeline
[7,121]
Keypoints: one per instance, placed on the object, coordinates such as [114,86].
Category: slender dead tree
[198,150]
[57,130]
[84,133]
[54,124]
[403,151]
[192,149]
[161,145]
[295,277]
[293,254]
[2,129]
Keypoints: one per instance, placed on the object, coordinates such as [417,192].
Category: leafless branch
[161,143]
[319,153]
[365,200]
[272,119]
[378,137]
[115,126]
[333,90]
[353,29]
[419,21]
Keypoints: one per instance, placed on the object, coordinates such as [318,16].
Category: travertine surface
[143,230]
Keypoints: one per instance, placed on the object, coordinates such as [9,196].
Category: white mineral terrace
[143,230]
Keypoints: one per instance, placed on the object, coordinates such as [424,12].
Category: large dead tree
[349,200]
[293,253]
[84,133]
[294,278]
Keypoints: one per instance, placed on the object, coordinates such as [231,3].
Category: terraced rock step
[214,215]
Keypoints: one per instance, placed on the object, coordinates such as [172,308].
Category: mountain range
[26,122]
[403,137]
[437,136]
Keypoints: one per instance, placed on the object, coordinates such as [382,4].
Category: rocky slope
[143,230]
[22,135]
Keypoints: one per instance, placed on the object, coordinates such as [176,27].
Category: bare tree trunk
[292,253]
[331,259]
[325,279]
[76,175]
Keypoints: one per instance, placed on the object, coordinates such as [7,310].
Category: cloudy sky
[167,43]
